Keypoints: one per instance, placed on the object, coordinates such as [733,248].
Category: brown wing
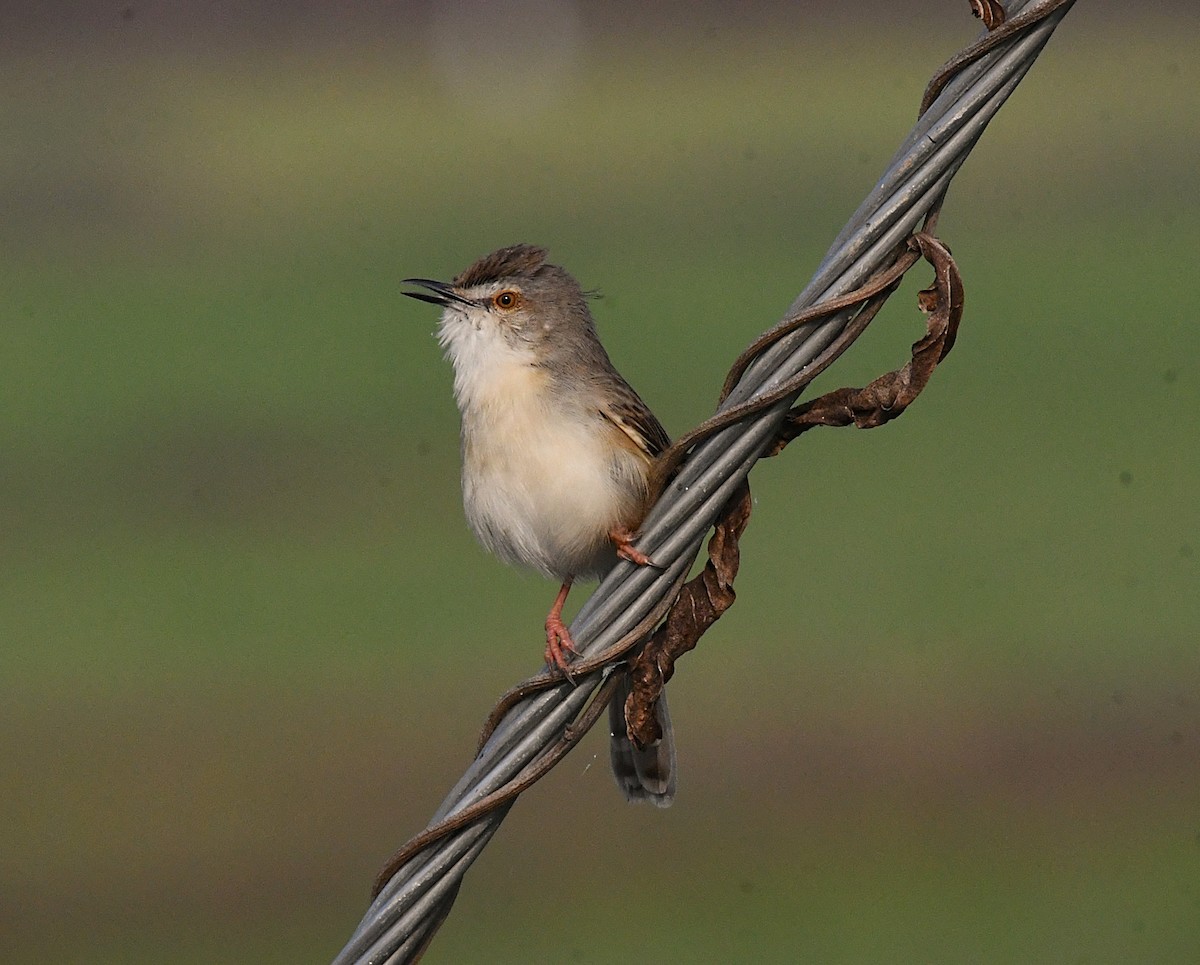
[631,415]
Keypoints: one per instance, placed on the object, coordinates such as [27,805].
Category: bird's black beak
[440,293]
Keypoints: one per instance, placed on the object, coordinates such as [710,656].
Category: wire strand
[965,96]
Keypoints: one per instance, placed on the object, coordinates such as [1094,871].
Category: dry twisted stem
[698,607]
[710,594]
[999,30]
[501,797]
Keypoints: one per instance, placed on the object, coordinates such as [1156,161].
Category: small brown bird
[558,449]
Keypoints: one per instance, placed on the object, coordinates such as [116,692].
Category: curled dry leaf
[708,595]
[989,11]
[889,395]
[699,605]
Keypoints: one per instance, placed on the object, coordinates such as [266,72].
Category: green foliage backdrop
[248,639]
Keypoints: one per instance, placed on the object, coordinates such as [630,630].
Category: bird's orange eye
[506,300]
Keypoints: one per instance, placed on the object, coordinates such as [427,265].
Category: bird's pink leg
[558,637]
[622,539]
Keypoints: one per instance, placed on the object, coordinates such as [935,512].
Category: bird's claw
[623,542]
[558,645]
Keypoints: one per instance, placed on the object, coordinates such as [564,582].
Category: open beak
[440,293]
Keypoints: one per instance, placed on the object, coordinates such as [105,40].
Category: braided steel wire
[411,905]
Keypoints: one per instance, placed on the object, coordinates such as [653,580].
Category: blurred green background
[248,640]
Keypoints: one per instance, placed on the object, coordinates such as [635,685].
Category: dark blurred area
[231,26]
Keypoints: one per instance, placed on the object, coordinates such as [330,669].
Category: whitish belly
[544,494]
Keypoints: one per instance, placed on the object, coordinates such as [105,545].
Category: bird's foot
[558,643]
[622,539]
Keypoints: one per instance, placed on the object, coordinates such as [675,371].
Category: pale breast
[542,485]
[544,478]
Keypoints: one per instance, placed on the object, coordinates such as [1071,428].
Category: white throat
[489,370]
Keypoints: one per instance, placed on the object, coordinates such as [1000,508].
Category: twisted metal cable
[408,910]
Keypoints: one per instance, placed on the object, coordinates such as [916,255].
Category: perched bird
[558,450]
